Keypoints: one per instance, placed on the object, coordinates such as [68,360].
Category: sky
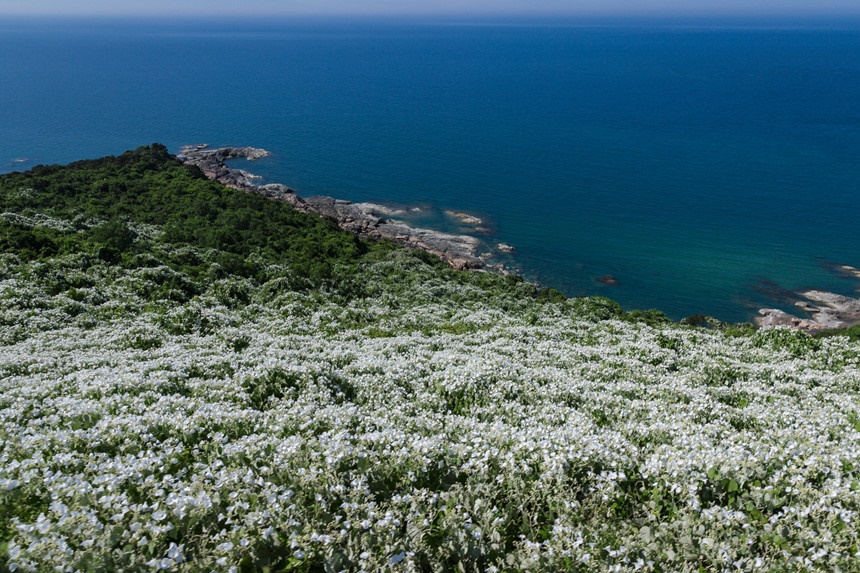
[439,7]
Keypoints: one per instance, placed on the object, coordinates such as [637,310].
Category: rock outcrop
[212,163]
[365,220]
[774,317]
[826,310]
[368,220]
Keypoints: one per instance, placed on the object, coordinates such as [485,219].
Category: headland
[368,220]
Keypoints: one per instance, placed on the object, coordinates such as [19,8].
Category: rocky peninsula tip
[368,220]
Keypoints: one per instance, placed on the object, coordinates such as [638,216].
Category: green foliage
[668,342]
[145,209]
[548,294]
[852,333]
[274,385]
[114,234]
[739,330]
[28,243]
[595,308]
[651,317]
[149,186]
[796,343]
[700,321]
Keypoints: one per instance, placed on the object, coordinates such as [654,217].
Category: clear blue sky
[501,7]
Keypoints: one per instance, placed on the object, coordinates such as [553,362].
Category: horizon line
[537,13]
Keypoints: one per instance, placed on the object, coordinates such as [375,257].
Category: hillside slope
[197,379]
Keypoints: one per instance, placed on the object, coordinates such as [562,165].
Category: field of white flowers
[425,426]
[245,388]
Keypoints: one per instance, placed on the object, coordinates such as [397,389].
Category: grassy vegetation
[194,379]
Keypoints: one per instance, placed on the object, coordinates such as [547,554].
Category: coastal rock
[212,163]
[837,302]
[607,280]
[505,248]
[381,210]
[274,190]
[368,220]
[774,317]
[499,268]
[365,220]
[826,310]
[834,310]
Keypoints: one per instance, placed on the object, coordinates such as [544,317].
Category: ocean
[705,166]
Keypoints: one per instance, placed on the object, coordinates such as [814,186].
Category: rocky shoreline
[368,220]
[825,311]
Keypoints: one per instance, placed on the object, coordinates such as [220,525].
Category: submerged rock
[464,218]
[607,280]
[851,270]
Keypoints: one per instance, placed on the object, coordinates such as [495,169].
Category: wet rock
[505,248]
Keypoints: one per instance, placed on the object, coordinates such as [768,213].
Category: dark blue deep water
[691,162]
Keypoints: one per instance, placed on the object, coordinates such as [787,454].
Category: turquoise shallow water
[689,162]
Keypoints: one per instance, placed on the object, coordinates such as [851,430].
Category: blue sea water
[693,162]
